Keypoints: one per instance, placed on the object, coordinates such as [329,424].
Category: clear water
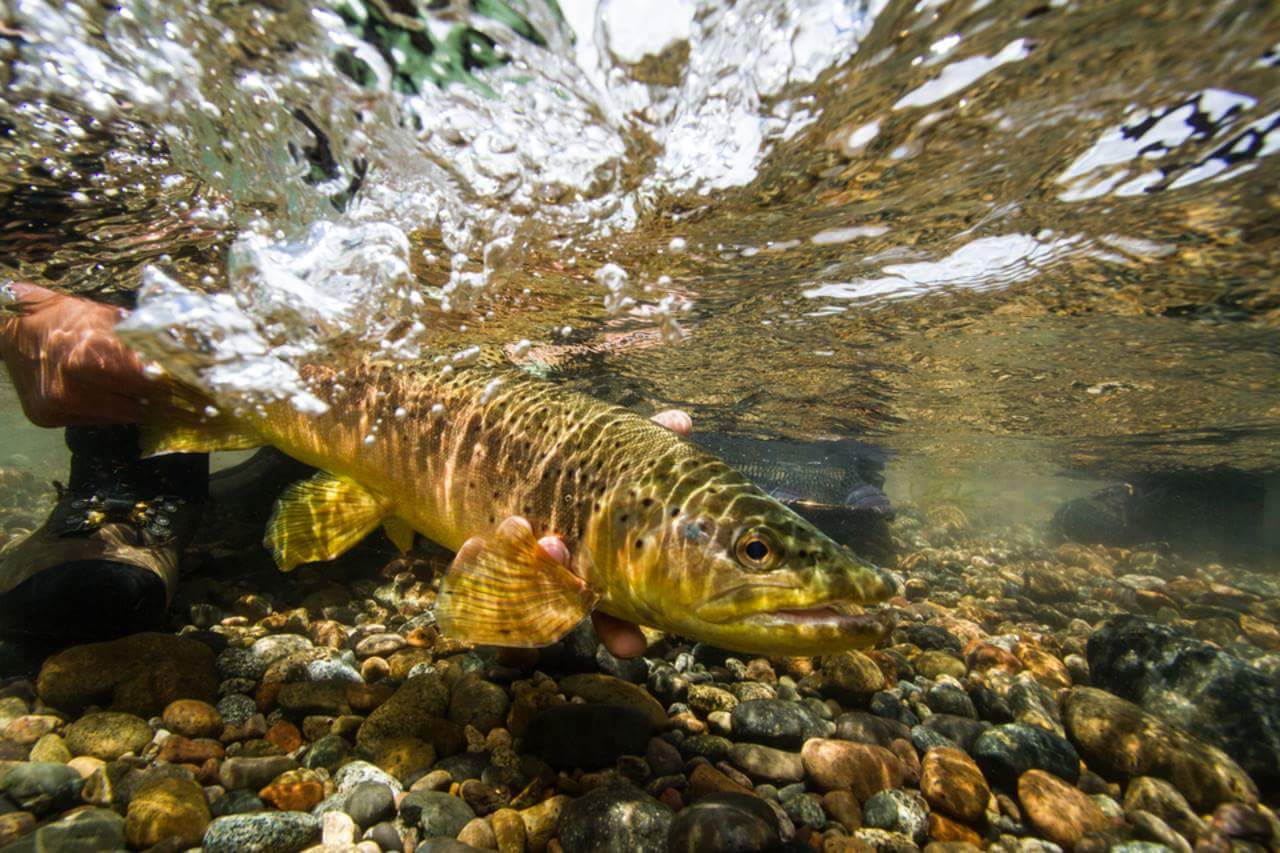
[1025,249]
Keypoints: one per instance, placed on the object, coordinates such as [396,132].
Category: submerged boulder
[1118,738]
[1189,683]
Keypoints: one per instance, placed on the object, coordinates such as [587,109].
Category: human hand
[67,364]
[623,639]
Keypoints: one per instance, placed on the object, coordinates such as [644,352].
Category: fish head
[745,572]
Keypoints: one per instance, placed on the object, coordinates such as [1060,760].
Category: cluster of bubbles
[315,138]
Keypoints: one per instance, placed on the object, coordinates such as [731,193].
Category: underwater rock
[777,723]
[266,832]
[436,813]
[41,787]
[1187,682]
[839,765]
[952,783]
[720,823]
[898,810]
[169,808]
[1119,738]
[107,735]
[615,817]
[1062,812]
[1006,752]
[140,674]
[89,829]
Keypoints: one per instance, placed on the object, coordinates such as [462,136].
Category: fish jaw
[802,615]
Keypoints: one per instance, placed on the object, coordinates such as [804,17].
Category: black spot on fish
[648,501]
[675,510]
[639,544]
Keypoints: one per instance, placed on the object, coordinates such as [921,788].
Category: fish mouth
[778,607]
[842,617]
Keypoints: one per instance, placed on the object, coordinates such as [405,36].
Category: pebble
[170,810]
[705,698]
[478,833]
[1007,751]
[615,817]
[86,830]
[936,663]
[606,689]
[952,784]
[777,723]
[354,773]
[1163,800]
[479,703]
[412,711]
[264,832]
[14,825]
[805,810]
[767,764]
[50,747]
[435,813]
[898,811]
[860,768]
[862,727]
[42,787]
[192,718]
[369,803]
[253,772]
[850,677]
[108,735]
[541,821]
[1062,812]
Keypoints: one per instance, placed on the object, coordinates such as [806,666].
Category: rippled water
[1023,248]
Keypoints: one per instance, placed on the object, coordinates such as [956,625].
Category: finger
[554,547]
[27,295]
[676,420]
[622,639]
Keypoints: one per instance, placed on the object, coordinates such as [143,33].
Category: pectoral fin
[399,532]
[507,591]
[320,519]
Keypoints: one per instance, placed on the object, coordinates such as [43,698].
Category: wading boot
[105,563]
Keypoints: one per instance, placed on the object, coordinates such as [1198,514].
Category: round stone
[777,723]
[370,803]
[1061,812]
[108,735]
[614,817]
[436,813]
[953,784]
[266,832]
[898,811]
[1006,752]
[169,808]
[192,718]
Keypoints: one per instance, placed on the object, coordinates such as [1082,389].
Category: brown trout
[484,459]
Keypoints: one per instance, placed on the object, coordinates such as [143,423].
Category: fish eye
[755,550]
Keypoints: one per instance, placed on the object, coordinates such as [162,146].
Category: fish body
[660,532]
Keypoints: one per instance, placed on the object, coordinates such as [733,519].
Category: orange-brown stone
[293,796]
[943,828]
[1060,812]
[284,736]
[952,784]
[857,767]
